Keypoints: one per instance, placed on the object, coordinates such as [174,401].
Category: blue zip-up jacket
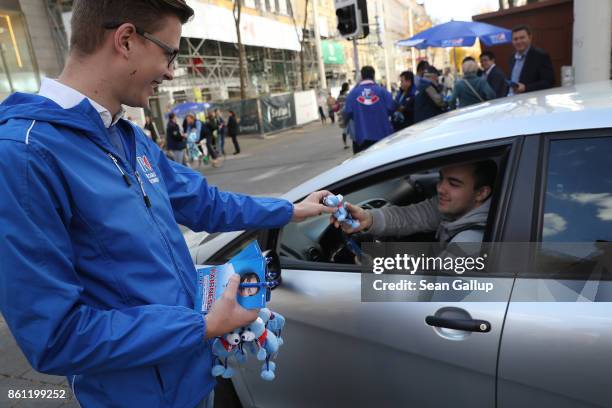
[369,106]
[96,281]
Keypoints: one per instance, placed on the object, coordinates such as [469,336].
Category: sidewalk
[16,374]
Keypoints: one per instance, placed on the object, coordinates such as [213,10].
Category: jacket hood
[476,217]
[82,118]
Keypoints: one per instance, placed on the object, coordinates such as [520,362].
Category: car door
[342,351]
[555,350]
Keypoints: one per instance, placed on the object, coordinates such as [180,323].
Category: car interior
[316,240]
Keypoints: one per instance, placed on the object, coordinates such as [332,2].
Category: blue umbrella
[183,109]
[458,34]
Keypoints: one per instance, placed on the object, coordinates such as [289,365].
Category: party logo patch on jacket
[367,97]
[146,167]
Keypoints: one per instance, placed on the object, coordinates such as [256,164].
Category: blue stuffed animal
[264,344]
[341,214]
[274,322]
[223,348]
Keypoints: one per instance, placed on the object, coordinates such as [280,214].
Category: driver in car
[458,213]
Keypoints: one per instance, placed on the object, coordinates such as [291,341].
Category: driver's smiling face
[456,194]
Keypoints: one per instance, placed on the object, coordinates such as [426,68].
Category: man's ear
[123,39]
[483,194]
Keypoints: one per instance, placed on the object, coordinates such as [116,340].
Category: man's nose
[169,74]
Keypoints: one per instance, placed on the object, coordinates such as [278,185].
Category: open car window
[317,241]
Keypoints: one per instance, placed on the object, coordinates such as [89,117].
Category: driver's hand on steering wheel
[364,217]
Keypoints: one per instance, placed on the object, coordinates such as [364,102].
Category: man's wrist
[209,331]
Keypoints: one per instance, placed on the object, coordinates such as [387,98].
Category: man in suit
[493,74]
[530,67]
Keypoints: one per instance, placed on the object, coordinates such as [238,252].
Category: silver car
[550,337]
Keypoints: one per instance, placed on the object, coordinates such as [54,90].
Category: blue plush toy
[261,338]
[223,348]
[341,214]
[264,344]
[274,322]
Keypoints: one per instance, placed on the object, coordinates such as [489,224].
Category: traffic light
[352,18]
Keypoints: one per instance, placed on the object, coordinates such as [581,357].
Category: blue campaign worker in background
[96,280]
[368,106]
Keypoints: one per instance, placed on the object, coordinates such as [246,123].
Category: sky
[463,10]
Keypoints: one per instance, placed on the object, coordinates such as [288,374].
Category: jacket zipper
[148,205]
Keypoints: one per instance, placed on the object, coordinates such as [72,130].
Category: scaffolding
[55,9]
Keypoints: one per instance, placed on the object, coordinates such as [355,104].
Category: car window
[578,198]
[315,240]
[576,223]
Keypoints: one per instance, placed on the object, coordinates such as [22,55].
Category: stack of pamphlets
[254,290]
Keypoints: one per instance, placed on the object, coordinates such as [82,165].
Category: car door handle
[471,325]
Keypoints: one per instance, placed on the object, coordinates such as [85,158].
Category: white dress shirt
[68,97]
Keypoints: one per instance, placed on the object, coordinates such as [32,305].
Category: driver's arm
[395,220]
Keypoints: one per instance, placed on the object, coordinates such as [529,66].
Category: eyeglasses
[171,53]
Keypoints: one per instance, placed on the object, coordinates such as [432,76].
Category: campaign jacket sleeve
[202,207]
[41,292]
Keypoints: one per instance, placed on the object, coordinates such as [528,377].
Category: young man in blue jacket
[369,106]
[96,281]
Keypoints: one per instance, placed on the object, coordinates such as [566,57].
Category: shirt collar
[519,56]
[68,97]
[488,71]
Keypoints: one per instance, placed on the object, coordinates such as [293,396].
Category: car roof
[584,106]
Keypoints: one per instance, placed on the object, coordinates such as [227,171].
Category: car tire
[225,394]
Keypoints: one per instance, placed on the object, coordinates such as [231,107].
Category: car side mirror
[273,267]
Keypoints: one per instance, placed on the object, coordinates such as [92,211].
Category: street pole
[356,59]
[382,36]
[320,61]
[412,49]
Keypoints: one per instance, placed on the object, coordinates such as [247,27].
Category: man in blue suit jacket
[530,67]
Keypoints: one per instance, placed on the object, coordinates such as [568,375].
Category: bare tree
[237,12]
[302,41]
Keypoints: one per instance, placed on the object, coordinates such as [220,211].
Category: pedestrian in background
[404,100]
[232,130]
[331,108]
[340,102]
[220,131]
[530,68]
[369,106]
[151,129]
[421,68]
[429,100]
[175,139]
[471,89]
[209,129]
[493,74]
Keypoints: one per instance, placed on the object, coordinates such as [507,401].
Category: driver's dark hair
[90,16]
[485,173]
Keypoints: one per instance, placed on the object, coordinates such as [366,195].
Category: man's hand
[311,206]
[520,88]
[358,213]
[226,314]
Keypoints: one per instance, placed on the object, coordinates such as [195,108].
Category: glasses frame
[171,52]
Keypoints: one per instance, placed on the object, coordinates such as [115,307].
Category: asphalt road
[268,167]
[280,162]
